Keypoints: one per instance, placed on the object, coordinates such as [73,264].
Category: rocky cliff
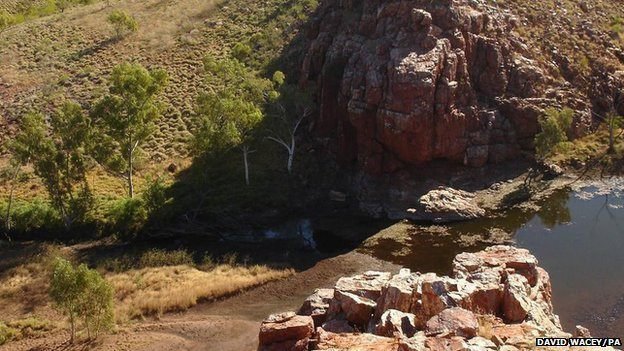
[402,83]
[497,299]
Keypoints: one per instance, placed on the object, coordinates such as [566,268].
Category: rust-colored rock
[446,344]
[515,334]
[363,342]
[357,310]
[402,83]
[581,332]
[397,293]
[284,328]
[317,304]
[516,301]
[367,285]
[497,299]
[454,321]
[415,343]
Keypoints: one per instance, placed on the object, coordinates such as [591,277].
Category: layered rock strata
[496,299]
[402,83]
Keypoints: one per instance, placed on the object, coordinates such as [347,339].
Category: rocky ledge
[497,299]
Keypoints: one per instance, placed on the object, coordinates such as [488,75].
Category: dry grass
[165,289]
[26,309]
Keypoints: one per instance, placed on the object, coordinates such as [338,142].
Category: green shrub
[127,217]
[122,22]
[155,195]
[554,125]
[6,333]
[241,51]
[279,78]
[82,294]
[28,216]
[7,19]
[617,24]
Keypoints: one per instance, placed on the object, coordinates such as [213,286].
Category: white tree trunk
[246,161]
[130,181]
[291,154]
[290,147]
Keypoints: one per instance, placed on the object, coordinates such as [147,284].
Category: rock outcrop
[402,83]
[496,299]
[446,205]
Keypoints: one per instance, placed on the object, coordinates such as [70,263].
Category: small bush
[554,126]
[122,22]
[241,51]
[617,24]
[7,19]
[155,195]
[127,217]
[6,333]
[279,78]
[82,294]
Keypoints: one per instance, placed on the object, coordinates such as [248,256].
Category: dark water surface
[583,250]
[577,236]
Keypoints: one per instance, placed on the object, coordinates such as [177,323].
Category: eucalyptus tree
[126,117]
[59,156]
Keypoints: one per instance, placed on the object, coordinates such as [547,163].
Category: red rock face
[402,83]
[497,299]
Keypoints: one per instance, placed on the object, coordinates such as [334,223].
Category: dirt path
[227,325]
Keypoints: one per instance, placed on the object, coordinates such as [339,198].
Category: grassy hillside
[70,54]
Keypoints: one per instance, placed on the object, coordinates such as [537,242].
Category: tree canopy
[127,116]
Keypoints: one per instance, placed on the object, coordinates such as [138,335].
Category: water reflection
[555,211]
[578,237]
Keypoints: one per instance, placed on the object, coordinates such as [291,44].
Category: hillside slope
[70,54]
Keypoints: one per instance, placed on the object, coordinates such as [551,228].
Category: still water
[583,250]
[577,236]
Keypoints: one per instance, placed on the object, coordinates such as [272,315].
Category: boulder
[433,297]
[286,328]
[395,323]
[444,205]
[415,343]
[484,297]
[516,301]
[288,345]
[493,260]
[479,343]
[364,342]
[317,304]
[366,285]
[454,321]
[516,334]
[397,293]
[357,310]
[446,344]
